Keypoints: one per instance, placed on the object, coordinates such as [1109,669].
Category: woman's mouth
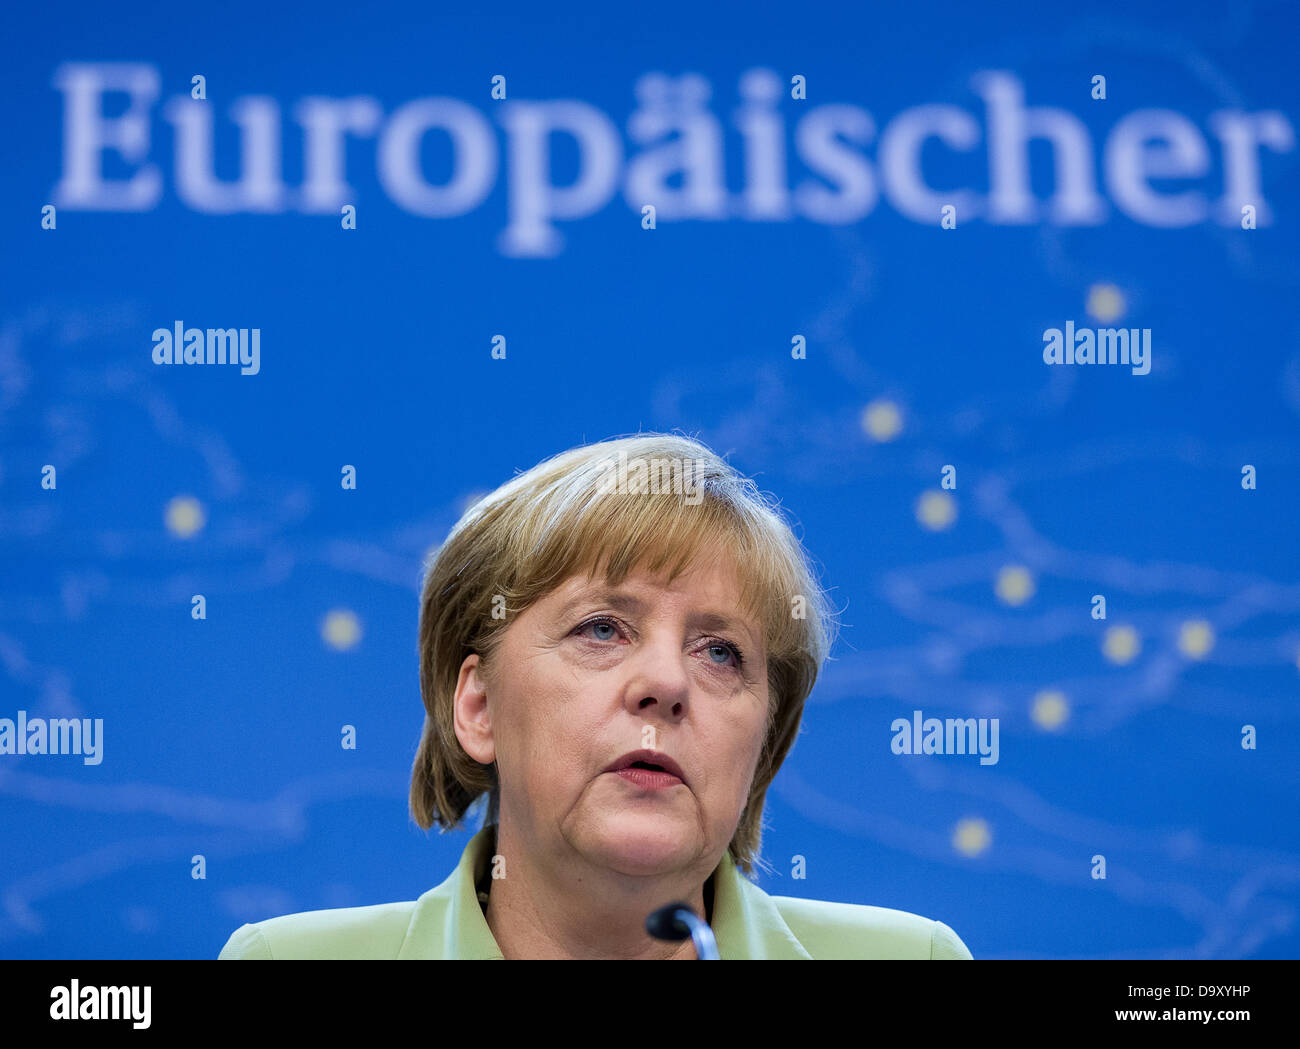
[649,769]
[648,776]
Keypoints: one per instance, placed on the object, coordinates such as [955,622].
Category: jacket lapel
[746,922]
[448,922]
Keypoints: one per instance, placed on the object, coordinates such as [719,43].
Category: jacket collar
[448,921]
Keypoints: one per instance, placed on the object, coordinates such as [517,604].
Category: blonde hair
[589,509]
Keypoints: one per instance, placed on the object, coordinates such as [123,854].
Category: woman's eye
[601,629]
[720,653]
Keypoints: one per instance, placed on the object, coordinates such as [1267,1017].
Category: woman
[615,649]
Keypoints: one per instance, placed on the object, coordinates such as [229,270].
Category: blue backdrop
[864,222]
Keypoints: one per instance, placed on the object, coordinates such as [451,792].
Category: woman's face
[592,672]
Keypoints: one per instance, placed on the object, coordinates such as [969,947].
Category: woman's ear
[470,712]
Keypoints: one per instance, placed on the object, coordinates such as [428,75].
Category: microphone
[676,921]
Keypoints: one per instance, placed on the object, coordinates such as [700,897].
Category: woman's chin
[646,846]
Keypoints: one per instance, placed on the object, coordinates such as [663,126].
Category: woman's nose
[658,678]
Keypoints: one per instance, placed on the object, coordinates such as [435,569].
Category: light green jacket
[448,922]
